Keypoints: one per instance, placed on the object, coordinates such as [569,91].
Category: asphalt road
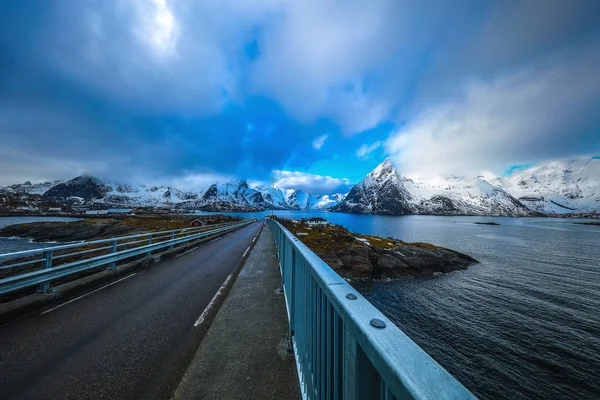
[130,340]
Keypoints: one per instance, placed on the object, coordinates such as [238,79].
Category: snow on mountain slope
[90,191]
[234,192]
[380,192]
[456,195]
[385,191]
[30,188]
[273,196]
[145,195]
[558,187]
[298,200]
[325,202]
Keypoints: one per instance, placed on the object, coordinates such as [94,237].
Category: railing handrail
[26,253]
[48,273]
[404,369]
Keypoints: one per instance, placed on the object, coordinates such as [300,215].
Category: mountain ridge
[561,187]
[90,192]
[554,188]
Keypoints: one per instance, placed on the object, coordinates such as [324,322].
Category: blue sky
[315,93]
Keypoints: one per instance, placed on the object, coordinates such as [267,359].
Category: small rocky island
[357,256]
[100,228]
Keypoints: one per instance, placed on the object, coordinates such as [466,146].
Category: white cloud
[198,181]
[310,183]
[315,53]
[531,115]
[319,142]
[364,150]
[157,27]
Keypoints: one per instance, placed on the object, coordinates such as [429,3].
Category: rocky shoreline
[355,256]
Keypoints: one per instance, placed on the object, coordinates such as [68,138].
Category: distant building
[197,222]
[54,208]
[317,221]
[96,212]
[27,208]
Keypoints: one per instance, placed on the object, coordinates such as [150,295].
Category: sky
[314,93]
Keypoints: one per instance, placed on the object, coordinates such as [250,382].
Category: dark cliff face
[387,199]
[381,192]
[86,187]
[211,193]
[259,201]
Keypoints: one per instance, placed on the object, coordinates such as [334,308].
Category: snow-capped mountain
[299,200]
[228,196]
[31,188]
[385,191]
[380,192]
[557,187]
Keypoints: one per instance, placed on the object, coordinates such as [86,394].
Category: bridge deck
[243,354]
[131,339]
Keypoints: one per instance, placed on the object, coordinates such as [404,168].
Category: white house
[96,212]
[317,221]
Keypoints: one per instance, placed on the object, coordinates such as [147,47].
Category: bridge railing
[346,348]
[52,263]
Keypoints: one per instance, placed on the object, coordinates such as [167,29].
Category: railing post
[290,294]
[148,254]
[47,263]
[113,249]
[349,370]
[172,238]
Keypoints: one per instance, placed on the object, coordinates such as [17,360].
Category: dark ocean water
[9,245]
[522,324]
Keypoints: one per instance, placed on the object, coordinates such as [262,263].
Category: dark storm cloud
[162,89]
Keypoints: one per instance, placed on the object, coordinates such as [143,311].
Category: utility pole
[272,197]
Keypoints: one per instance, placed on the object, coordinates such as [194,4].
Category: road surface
[131,339]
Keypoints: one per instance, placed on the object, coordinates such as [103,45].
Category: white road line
[246,252]
[88,293]
[254,240]
[214,240]
[212,302]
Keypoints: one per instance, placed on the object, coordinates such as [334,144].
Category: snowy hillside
[385,191]
[558,187]
[231,195]
[380,192]
[29,188]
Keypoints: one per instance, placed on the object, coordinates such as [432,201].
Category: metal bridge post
[172,238]
[113,249]
[349,370]
[291,296]
[47,263]
[148,254]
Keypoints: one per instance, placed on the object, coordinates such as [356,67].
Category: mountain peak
[383,168]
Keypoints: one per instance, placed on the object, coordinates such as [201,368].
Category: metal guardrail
[346,348]
[118,248]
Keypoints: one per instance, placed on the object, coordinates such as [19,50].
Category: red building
[197,222]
